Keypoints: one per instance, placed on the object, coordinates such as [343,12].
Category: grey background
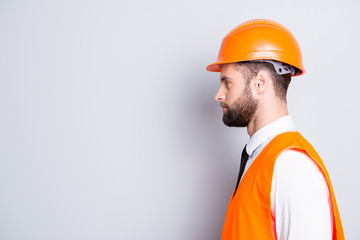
[109,129]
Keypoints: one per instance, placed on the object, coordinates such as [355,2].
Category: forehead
[230,71]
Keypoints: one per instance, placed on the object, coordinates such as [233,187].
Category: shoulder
[294,161]
[297,173]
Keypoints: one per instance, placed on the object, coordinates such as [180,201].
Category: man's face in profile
[235,97]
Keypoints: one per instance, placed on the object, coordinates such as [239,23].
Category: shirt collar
[280,125]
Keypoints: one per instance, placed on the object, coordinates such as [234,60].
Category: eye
[227,82]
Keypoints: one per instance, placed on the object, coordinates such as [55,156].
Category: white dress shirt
[300,200]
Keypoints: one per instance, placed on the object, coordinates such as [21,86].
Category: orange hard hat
[259,39]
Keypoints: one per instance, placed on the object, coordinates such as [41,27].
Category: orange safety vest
[249,211]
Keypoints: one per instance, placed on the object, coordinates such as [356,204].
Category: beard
[242,110]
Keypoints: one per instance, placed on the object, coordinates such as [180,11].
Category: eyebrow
[224,78]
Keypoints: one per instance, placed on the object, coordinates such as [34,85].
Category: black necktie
[244,159]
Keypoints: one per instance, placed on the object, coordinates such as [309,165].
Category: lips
[224,106]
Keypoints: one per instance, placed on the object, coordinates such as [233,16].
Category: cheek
[233,96]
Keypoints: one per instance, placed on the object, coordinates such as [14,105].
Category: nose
[220,95]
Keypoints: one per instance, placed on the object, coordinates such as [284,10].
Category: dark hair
[251,69]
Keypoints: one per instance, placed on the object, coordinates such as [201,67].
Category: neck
[266,115]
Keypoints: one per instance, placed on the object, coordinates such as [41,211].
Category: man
[283,189]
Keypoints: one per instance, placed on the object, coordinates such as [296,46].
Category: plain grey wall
[109,130]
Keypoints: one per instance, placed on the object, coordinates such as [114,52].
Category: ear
[261,82]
